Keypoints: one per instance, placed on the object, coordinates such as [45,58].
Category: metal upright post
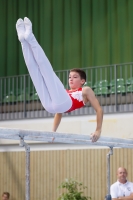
[27,167]
[108,196]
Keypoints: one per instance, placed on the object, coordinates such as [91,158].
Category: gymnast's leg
[60,99]
[43,77]
[33,68]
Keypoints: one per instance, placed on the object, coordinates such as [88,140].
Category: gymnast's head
[5,196]
[77,78]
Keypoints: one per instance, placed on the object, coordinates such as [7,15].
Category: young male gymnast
[53,96]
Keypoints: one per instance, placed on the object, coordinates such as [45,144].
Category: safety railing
[112,84]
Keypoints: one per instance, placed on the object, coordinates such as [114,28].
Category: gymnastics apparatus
[22,135]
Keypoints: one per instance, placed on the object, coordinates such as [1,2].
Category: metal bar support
[108,196]
[27,167]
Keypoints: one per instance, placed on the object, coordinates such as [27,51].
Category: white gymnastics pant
[50,89]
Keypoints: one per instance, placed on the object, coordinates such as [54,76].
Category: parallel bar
[27,174]
[108,170]
[27,167]
[15,134]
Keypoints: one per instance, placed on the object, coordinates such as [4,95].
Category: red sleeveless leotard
[77,99]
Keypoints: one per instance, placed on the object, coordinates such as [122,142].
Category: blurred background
[73,33]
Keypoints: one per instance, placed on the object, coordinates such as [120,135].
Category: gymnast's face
[75,80]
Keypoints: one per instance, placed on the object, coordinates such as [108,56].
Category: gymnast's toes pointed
[20,29]
[28,28]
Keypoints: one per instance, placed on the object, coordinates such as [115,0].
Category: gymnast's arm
[57,120]
[123,198]
[126,198]
[89,94]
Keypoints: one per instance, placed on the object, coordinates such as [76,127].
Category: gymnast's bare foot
[20,29]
